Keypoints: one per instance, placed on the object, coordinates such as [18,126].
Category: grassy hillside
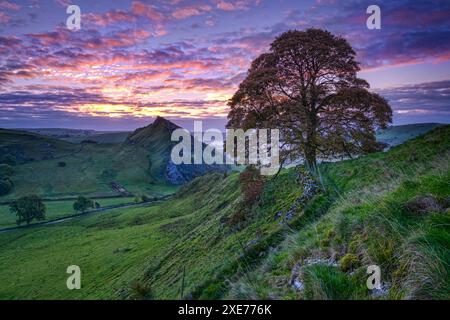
[395,135]
[22,147]
[389,209]
[105,137]
[89,170]
[54,168]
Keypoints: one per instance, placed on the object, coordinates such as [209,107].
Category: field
[364,215]
[57,209]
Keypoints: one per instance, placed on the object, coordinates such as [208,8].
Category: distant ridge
[156,138]
[396,135]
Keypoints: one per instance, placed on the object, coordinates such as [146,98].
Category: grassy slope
[106,137]
[396,135]
[369,223]
[26,146]
[147,248]
[128,165]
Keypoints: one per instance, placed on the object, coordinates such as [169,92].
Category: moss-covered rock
[349,262]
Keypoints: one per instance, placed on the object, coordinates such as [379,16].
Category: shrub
[252,184]
[6,171]
[82,204]
[140,291]
[349,262]
[8,159]
[61,164]
[5,187]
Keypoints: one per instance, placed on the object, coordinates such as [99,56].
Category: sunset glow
[184,59]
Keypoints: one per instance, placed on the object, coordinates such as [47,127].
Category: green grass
[369,221]
[361,215]
[89,168]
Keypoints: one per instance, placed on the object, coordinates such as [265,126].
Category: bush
[5,187]
[349,262]
[6,171]
[140,291]
[252,184]
[82,204]
[8,159]
[61,164]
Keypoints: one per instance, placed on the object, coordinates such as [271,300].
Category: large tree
[307,86]
[82,204]
[28,208]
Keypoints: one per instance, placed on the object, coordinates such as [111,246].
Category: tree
[28,208]
[6,171]
[5,187]
[306,86]
[82,204]
[62,164]
[8,159]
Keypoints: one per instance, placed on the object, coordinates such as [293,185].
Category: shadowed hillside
[156,139]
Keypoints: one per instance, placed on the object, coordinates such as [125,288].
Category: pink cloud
[235,5]
[183,13]
[4,18]
[145,10]
[9,5]
[111,17]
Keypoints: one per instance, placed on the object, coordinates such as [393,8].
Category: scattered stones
[251,243]
[310,189]
[296,274]
[382,291]
[423,204]
[278,215]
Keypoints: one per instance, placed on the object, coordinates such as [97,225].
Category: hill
[106,137]
[19,147]
[156,139]
[395,135]
[54,168]
[387,209]
[79,135]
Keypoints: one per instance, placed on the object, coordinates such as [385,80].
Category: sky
[183,59]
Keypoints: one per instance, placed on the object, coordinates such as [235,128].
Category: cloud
[422,98]
[142,9]
[230,5]
[187,12]
[108,18]
[9,5]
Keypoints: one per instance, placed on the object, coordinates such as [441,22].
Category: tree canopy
[82,204]
[306,86]
[28,208]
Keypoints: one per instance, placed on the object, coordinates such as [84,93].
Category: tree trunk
[310,159]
